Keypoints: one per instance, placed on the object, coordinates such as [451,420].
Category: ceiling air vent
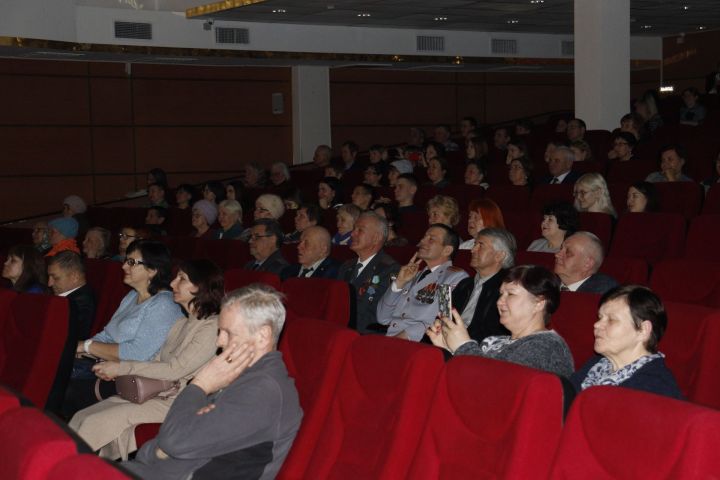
[232,35]
[568,48]
[504,46]
[426,43]
[135,30]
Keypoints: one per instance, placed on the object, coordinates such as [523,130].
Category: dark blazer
[569,178]
[368,288]
[597,283]
[273,264]
[327,269]
[81,304]
[486,319]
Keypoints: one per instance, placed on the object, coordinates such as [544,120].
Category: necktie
[355,271]
[564,288]
[256,266]
[304,272]
[423,274]
[554,181]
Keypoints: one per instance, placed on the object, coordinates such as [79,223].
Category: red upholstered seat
[225,253]
[490,419]
[86,467]
[402,255]
[574,321]
[652,236]
[635,170]
[413,226]
[237,277]
[33,336]
[509,197]
[183,247]
[32,445]
[626,270]
[618,433]
[320,298]
[687,281]
[547,194]
[712,200]
[618,195]
[105,277]
[544,259]
[464,194]
[703,238]
[684,198]
[314,352]
[8,400]
[376,417]
[524,226]
[342,253]
[601,224]
[145,432]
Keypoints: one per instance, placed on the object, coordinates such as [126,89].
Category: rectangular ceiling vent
[232,35]
[426,43]
[134,30]
[568,48]
[504,46]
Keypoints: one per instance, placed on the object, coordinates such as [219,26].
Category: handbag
[137,389]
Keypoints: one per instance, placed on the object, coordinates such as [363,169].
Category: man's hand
[222,370]
[408,272]
[106,370]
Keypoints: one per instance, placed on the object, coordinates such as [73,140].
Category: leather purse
[137,389]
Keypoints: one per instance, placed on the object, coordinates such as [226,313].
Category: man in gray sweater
[239,415]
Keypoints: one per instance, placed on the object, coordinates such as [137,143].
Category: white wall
[47,20]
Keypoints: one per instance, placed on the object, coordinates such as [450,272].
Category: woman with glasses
[592,195]
[137,329]
[126,236]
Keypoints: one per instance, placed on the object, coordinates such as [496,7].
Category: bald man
[577,264]
[313,256]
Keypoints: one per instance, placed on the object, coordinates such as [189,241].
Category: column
[602,62]
[311,111]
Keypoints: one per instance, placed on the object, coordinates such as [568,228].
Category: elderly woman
[443,209]
[97,243]
[269,206]
[138,327]
[529,294]
[437,171]
[482,213]
[476,173]
[623,145]
[204,214]
[230,220]
[329,193]
[642,197]
[279,174]
[346,217]
[592,195]
[520,172]
[41,237]
[75,207]
[185,196]
[25,269]
[109,426]
[126,236]
[213,192]
[631,321]
[254,176]
[582,151]
[62,235]
[559,221]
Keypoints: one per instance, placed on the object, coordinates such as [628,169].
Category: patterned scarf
[602,372]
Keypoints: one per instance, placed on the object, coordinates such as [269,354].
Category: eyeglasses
[256,236]
[125,236]
[131,262]
[581,193]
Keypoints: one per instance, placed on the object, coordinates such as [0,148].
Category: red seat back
[105,277]
[8,400]
[544,259]
[635,170]
[601,224]
[652,236]
[684,198]
[544,195]
[687,281]
[320,298]
[225,253]
[490,419]
[712,200]
[238,277]
[524,226]
[703,237]
[87,467]
[509,197]
[574,321]
[626,270]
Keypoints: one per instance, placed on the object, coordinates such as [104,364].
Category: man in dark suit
[266,237]
[313,255]
[560,167]
[369,274]
[66,277]
[577,264]
[475,298]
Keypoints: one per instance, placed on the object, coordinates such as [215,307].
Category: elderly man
[240,414]
[63,231]
[229,218]
[265,240]
[313,255]
[66,277]
[560,167]
[96,243]
[322,156]
[577,264]
[368,274]
[306,216]
[576,129]
[410,305]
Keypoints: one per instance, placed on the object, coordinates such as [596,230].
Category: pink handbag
[137,389]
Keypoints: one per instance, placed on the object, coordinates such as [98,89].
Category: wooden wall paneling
[111,101]
[27,196]
[113,187]
[510,102]
[369,75]
[269,74]
[45,150]
[112,150]
[43,67]
[43,100]
[687,63]
[471,102]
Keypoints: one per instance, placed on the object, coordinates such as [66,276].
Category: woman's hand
[222,370]
[434,333]
[106,370]
[453,331]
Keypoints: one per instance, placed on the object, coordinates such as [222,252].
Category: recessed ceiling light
[645,27]
[363,14]
[513,21]
[537,1]
[280,10]
[440,19]
[702,28]
[686,7]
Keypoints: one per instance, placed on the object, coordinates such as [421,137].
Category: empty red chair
[320,298]
[314,352]
[651,236]
[601,224]
[617,433]
[543,259]
[509,198]
[626,270]
[618,195]
[490,419]
[87,467]
[635,170]
[402,255]
[375,419]
[684,198]
[413,226]
[687,281]
[548,194]
[703,238]
[524,226]
[574,321]
[105,277]
[32,444]
[183,247]
[237,277]
[225,253]
[145,432]
[464,194]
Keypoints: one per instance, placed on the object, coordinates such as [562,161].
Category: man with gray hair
[368,274]
[476,297]
[240,414]
[577,264]
[560,167]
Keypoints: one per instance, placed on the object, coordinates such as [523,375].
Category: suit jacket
[570,178]
[486,319]
[597,283]
[368,288]
[414,308]
[327,269]
[273,264]
[81,304]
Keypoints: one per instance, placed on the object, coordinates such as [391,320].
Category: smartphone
[444,293]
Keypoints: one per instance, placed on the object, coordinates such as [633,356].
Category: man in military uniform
[410,305]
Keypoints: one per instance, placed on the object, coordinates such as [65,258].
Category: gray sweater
[544,350]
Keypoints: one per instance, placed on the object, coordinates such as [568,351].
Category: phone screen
[445,299]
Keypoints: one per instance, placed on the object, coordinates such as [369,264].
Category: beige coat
[109,426]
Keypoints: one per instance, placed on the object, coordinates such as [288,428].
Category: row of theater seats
[382,408]
[37,447]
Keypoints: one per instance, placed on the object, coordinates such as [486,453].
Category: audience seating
[651,236]
[574,321]
[635,170]
[319,298]
[413,227]
[618,195]
[362,441]
[544,259]
[626,270]
[8,400]
[601,224]
[687,281]
[544,195]
[314,352]
[680,197]
[618,433]
[237,278]
[490,419]
[703,238]
[225,253]
[522,227]
[712,200]
[105,277]
[510,198]
[86,467]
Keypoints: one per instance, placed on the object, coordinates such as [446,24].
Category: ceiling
[648,17]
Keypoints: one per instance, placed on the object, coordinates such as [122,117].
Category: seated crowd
[237,412]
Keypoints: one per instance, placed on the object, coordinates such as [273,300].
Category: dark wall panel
[113,150]
[27,196]
[46,150]
[43,100]
[111,101]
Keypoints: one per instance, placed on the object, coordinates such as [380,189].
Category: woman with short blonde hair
[443,209]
